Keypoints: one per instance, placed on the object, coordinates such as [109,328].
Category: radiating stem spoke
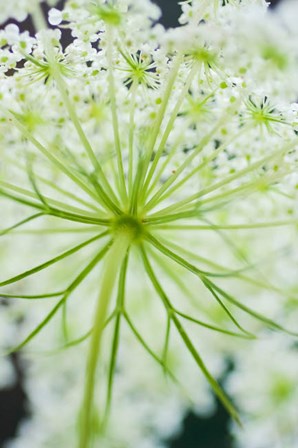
[187,341]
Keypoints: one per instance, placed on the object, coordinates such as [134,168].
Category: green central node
[128,224]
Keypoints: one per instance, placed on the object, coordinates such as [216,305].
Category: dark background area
[197,432]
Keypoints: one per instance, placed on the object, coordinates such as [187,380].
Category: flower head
[149,147]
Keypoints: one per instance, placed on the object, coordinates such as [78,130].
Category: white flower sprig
[157,148]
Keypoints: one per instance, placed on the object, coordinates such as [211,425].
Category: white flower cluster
[148,181]
[19,9]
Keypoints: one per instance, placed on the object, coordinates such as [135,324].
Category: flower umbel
[164,180]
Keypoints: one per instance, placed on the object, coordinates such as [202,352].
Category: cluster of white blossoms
[148,187]
[19,9]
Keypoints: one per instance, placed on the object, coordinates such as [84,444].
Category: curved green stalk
[187,341]
[52,158]
[240,226]
[148,349]
[20,223]
[147,156]
[134,88]
[165,191]
[56,187]
[112,91]
[116,336]
[52,202]
[54,260]
[79,278]
[169,127]
[115,258]
[252,167]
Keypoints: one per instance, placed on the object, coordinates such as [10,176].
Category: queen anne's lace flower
[162,165]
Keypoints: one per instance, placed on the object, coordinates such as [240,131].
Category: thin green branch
[51,157]
[166,342]
[116,336]
[146,157]
[83,274]
[199,273]
[187,341]
[106,201]
[133,89]
[256,282]
[48,230]
[252,167]
[148,349]
[57,188]
[21,223]
[240,226]
[82,218]
[52,261]
[112,92]
[79,340]
[52,202]
[169,126]
[269,322]
[165,191]
[214,328]
[31,297]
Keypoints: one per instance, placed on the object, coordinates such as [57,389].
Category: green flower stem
[166,342]
[31,297]
[148,349]
[82,275]
[106,201]
[216,291]
[41,25]
[71,111]
[112,92]
[162,109]
[78,218]
[160,116]
[178,143]
[187,341]
[50,201]
[20,223]
[200,274]
[252,167]
[214,328]
[23,201]
[154,220]
[246,188]
[133,90]
[188,161]
[116,336]
[257,282]
[173,151]
[80,339]
[54,260]
[259,225]
[48,230]
[57,188]
[156,198]
[58,213]
[136,187]
[159,197]
[114,259]
[74,118]
[269,322]
[169,127]
[53,158]
[188,293]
